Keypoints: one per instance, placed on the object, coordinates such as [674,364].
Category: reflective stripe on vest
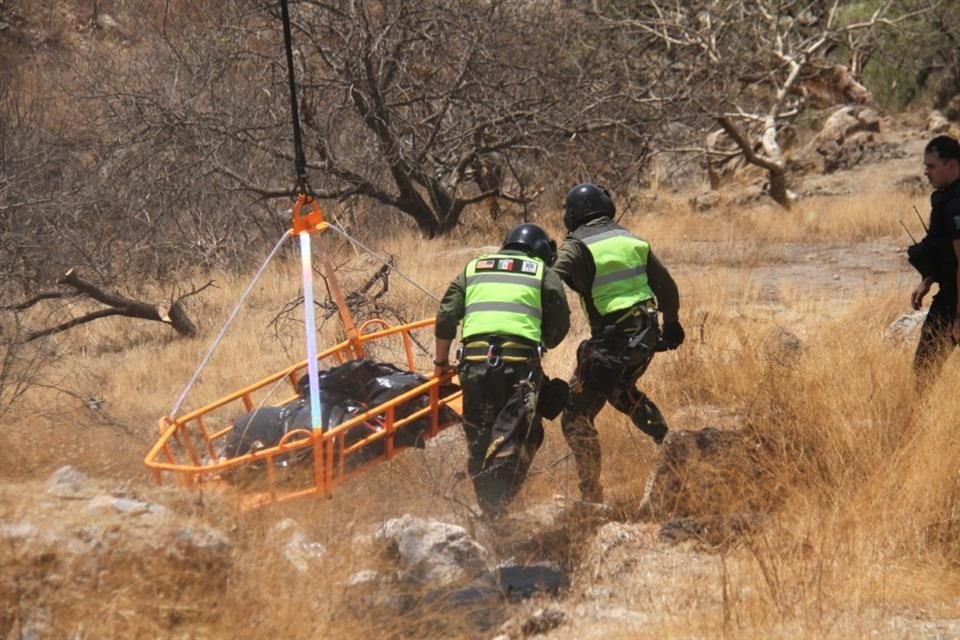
[621,262]
[502,300]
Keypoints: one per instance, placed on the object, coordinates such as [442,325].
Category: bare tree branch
[48,295]
[69,324]
[175,316]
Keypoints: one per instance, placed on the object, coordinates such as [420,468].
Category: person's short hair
[945,147]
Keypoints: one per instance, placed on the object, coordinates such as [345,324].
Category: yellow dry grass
[869,526]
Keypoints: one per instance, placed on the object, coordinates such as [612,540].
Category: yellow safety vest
[503,297]
[621,267]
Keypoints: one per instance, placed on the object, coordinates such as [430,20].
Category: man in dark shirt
[940,332]
[622,286]
[512,304]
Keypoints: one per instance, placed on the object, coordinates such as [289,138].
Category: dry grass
[869,524]
[669,221]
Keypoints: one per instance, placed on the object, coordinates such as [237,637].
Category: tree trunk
[778,186]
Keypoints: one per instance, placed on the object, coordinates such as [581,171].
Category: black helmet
[584,203]
[533,241]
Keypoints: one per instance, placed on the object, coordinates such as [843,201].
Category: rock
[847,121]
[781,345]
[905,326]
[365,578]
[68,482]
[107,22]
[431,552]
[200,547]
[542,621]
[937,122]
[849,138]
[298,549]
[120,505]
[522,581]
[856,149]
[708,473]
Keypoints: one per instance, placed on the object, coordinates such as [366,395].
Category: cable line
[381,260]
[300,160]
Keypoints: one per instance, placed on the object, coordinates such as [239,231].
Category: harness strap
[627,322]
[641,308]
[495,352]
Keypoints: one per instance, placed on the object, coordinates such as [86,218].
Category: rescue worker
[622,286]
[936,257]
[512,306]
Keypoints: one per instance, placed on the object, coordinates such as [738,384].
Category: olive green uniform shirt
[556,312]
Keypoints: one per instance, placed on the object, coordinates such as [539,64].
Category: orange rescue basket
[188,449]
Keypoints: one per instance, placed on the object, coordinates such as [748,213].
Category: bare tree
[760,53]
[407,103]
[428,108]
[20,365]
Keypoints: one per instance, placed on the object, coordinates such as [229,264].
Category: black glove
[553,398]
[672,335]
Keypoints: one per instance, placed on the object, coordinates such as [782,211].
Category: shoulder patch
[485,264]
[529,267]
[505,264]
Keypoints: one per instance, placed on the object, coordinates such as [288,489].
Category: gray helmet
[584,203]
[533,241]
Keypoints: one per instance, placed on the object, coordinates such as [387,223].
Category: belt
[627,322]
[641,308]
[496,352]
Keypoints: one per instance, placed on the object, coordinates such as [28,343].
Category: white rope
[382,260]
[236,309]
[223,331]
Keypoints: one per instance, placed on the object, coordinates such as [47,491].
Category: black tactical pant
[590,391]
[936,340]
[486,391]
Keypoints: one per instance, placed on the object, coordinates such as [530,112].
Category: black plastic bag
[346,391]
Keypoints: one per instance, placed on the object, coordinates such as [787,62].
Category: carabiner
[493,358]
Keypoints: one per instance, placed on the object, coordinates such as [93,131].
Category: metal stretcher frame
[187,451]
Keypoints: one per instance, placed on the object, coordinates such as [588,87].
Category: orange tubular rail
[187,451]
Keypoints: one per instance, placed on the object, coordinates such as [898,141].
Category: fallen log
[118,305]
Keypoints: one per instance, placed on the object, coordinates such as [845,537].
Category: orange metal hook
[310,221]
